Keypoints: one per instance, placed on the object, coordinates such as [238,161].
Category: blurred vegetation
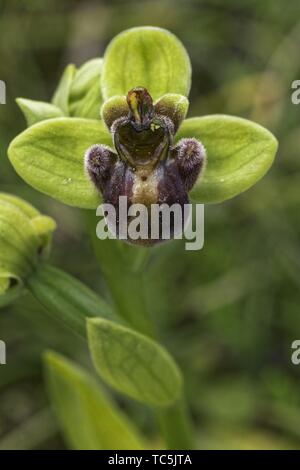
[228,313]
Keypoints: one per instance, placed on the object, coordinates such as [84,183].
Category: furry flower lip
[147,167]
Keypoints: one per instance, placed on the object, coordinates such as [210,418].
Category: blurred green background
[228,313]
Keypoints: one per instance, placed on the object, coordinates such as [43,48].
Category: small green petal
[85,94]
[173,106]
[113,109]
[62,92]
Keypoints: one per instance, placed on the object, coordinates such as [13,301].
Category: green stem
[176,427]
[122,266]
[66,298]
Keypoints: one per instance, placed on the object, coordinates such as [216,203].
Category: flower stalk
[126,286]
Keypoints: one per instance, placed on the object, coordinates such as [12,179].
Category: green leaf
[50,157]
[88,418]
[85,95]
[36,111]
[239,153]
[62,92]
[133,364]
[66,299]
[146,56]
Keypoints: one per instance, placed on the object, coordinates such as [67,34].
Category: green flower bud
[25,237]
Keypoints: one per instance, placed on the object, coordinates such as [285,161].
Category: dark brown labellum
[146,167]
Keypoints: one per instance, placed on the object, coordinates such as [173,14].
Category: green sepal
[62,92]
[50,157]
[36,111]
[85,94]
[239,153]
[149,57]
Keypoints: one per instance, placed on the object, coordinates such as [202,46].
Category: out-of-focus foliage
[228,313]
[89,419]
